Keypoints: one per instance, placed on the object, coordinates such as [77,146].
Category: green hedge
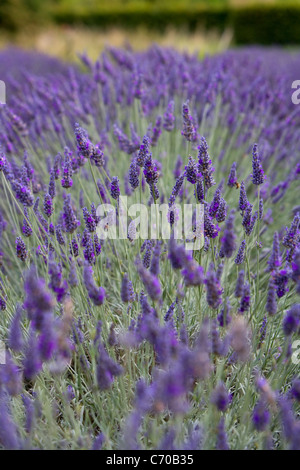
[266,25]
[153,18]
[250,25]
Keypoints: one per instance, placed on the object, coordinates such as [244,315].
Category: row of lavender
[142,344]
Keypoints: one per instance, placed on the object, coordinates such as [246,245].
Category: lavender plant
[142,344]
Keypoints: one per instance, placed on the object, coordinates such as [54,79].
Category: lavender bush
[141,344]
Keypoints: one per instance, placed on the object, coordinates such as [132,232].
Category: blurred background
[64,27]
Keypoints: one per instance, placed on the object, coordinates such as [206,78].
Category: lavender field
[140,343]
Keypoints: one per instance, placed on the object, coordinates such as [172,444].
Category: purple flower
[169,118]
[52,187]
[258,175]
[97,156]
[21,249]
[213,289]
[232,178]
[84,146]
[143,152]
[189,130]
[48,205]
[127,292]
[243,200]
[281,280]
[214,205]
[26,228]
[150,170]
[156,131]
[89,220]
[222,443]
[211,230]
[245,299]
[291,321]
[147,255]
[23,193]
[150,281]
[220,397]
[106,369]
[134,174]
[66,180]
[192,273]
[224,317]
[32,363]
[271,305]
[292,235]
[205,164]
[260,416]
[275,259]
[70,221]
[222,211]
[228,244]
[192,173]
[15,338]
[241,253]
[59,235]
[114,188]
[154,267]
[9,437]
[96,294]
[38,301]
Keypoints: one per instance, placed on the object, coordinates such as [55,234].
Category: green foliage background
[273,22]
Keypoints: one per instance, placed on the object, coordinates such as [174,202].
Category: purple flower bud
[245,299]
[292,235]
[232,178]
[222,443]
[192,172]
[291,321]
[220,397]
[134,174]
[96,294]
[241,253]
[258,175]
[15,338]
[89,220]
[52,188]
[26,228]
[228,243]
[156,131]
[260,416]
[205,164]
[66,180]
[48,205]
[59,235]
[70,221]
[213,289]
[243,201]
[150,281]
[127,292]
[275,259]
[271,305]
[21,249]
[107,369]
[114,188]
[224,317]
[189,130]
[169,118]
